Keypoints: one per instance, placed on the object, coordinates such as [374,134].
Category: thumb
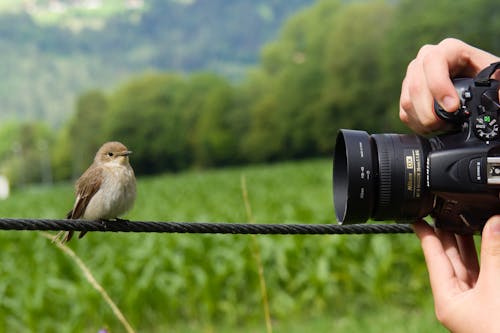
[490,251]
[448,99]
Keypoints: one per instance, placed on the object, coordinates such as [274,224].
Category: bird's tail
[63,236]
[69,235]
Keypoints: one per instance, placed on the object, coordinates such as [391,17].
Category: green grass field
[209,283]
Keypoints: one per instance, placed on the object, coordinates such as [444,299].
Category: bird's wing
[86,186]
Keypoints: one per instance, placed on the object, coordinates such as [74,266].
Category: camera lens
[380,176]
[353,176]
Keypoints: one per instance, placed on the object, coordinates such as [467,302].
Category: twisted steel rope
[201,227]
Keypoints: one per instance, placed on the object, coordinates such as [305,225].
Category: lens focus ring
[385,174]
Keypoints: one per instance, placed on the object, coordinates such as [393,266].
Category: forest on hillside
[45,66]
[334,65]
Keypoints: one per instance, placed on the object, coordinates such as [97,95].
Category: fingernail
[448,103]
[495,226]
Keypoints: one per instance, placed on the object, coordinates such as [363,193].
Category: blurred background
[204,92]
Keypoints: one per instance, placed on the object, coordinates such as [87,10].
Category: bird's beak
[125,153]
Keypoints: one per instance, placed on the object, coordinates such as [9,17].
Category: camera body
[454,177]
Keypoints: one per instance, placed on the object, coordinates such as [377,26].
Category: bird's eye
[110,154]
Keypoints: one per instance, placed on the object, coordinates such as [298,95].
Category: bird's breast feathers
[115,196]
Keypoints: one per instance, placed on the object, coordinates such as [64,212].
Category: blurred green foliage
[24,152]
[162,281]
[45,66]
[334,65]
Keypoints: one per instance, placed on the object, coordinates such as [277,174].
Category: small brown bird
[107,189]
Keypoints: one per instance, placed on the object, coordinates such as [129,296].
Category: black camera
[454,177]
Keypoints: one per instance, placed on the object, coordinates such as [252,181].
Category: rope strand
[201,227]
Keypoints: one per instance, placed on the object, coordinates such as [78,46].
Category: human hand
[428,77]
[466,297]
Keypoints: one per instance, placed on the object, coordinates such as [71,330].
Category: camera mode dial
[479,106]
[486,124]
[486,127]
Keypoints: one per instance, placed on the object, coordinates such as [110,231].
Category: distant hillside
[44,66]
[75,14]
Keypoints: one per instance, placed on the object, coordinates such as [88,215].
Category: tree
[354,92]
[291,78]
[214,141]
[25,155]
[143,114]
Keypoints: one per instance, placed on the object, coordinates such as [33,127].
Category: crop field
[210,283]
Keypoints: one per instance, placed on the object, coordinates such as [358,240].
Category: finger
[490,253]
[436,68]
[437,74]
[423,104]
[441,273]
[405,104]
[463,59]
[468,253]
[416,97]
[451,58]
[407,114]
[452,250]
